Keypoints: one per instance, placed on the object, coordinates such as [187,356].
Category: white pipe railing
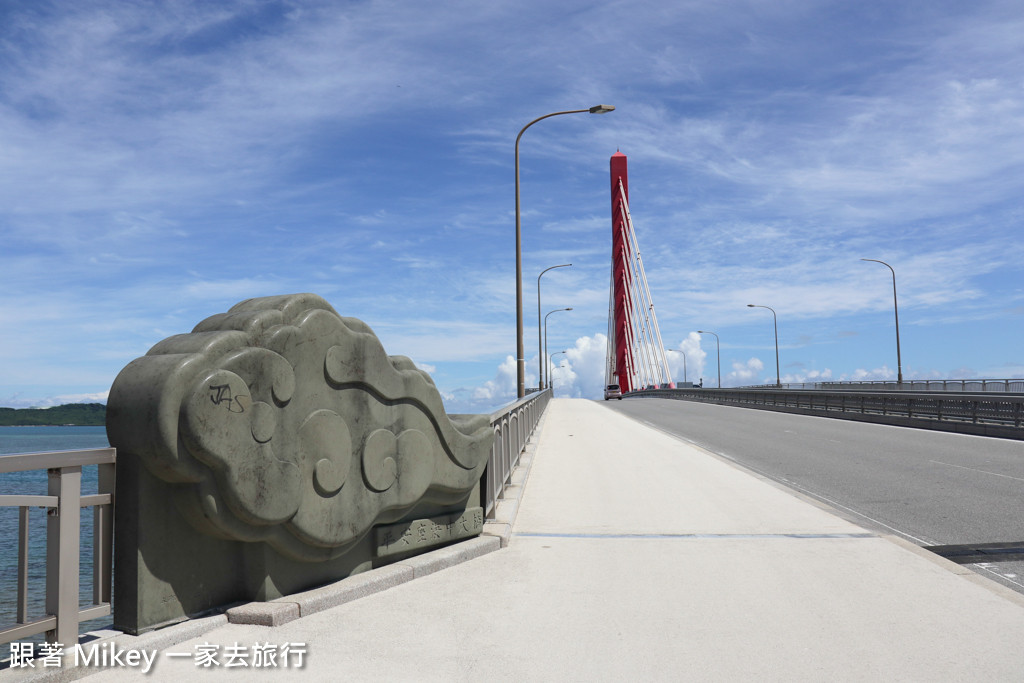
[63,504]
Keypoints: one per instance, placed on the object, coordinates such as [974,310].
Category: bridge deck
[637,556]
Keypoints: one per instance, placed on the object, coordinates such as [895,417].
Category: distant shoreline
[48,424]
[68,415]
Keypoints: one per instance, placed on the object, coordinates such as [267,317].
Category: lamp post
[896,310]
[684,360]
[778,378]
[718,355]
[546,327]
[520,361]
[551,373]
[541,352]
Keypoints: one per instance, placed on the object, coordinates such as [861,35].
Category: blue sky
[161,161]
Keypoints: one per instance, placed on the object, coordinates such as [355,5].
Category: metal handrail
[63,503]
[513,425]
[964,385]
[1007,386]
[972,413]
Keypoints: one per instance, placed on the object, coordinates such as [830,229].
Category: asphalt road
[933,488]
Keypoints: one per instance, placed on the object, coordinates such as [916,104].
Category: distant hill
[83,414]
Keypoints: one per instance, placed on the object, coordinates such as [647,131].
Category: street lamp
[896,309]
[546,327]
[778,379]
[520,361]
[551,373]
[718,354]
[540,352]
[684,360]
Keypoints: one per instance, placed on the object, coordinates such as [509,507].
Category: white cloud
[745,374]
[503,387]
[861,375]
[444,341]
[694,363]
[809,377]
[581,374]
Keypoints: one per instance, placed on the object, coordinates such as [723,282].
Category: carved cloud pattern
[281,421]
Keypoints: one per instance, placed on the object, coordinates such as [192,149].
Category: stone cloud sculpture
[256,454]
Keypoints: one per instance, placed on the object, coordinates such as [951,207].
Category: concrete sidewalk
[635,556]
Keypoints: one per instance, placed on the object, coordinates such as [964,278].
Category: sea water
[34,482]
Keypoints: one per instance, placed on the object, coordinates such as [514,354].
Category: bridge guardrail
[63,503]
[512,424]
[983,414]
[1006,386]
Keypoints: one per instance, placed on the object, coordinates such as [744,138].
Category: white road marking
[1005,577]
[975,469]
[861,514]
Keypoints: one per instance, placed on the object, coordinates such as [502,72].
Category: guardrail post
[507,448]
[62,547]
[22,564]
[103,539]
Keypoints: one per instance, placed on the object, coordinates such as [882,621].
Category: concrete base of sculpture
[166,572]
[273,450]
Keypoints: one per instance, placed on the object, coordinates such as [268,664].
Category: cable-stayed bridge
[636,354]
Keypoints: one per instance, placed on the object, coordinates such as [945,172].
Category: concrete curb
[960,570]
[291,607]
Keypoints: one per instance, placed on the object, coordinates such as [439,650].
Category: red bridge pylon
[636,355]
